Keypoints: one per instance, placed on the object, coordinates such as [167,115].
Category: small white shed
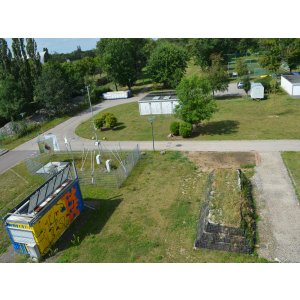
[257,90]
[291,84]
[158,103]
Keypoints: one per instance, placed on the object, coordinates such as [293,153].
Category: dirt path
[278,209]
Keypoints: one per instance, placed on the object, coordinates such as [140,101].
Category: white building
[291,84]
[257,90]
[158,103]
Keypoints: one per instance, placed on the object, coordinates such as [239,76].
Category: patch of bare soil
[208,161]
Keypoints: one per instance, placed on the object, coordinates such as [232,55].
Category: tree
[52,89]
[21,68]
[122,59]
[5,59]
[272,57]
[247,45]
[290,52]
[217,74]
[167,64]
[204,48]
[241,67]
[12,102]
[247,84]
[34,59]
[195,101]
[77,72]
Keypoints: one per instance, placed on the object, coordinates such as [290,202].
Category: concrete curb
[3,151]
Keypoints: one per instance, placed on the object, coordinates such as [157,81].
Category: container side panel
[53,224]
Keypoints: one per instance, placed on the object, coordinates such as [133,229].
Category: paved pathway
[279,210]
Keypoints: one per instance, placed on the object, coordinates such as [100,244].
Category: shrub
[107,120]
[99,123]
[110,121]
[174,128]
[185,129]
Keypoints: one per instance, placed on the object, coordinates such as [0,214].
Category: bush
[99,123]
[185,129]
[174,128]
[107,120]
[110,121]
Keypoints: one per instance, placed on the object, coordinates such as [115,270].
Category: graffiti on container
[52,225]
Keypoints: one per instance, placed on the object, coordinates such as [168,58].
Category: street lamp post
[151,120]
[91,108]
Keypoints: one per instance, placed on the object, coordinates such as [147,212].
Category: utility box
[39,220]
[257,91]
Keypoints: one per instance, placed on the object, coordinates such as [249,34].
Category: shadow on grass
[218,127]
[229,97]
[119,126]
[95,215]
[286,112]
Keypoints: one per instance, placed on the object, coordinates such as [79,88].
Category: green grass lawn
[152,218]
[237,119]
[292,162]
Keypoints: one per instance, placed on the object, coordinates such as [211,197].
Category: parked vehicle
[240,85]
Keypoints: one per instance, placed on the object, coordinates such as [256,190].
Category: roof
[292,78]
[256,84]
[43,198]
[160,96]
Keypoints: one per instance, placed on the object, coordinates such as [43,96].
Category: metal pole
[152,136]
[88,91]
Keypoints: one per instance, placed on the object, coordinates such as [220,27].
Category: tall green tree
[290,51]
[5,59]
[167,64]
[21,68]
[195,101]
[12,101]
[217,74]
[272,55]
[241,67]
[52,90]
[34,58]
[77,72]
[122,59]
[204,48]
[247,84]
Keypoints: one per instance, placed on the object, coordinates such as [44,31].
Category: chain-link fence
[89,171]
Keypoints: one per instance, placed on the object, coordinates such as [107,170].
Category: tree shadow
[217,127]
[143,81]
[286,112]
[229,97]
[119,126]
[91,221]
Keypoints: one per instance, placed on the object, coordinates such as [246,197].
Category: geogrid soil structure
[220,236]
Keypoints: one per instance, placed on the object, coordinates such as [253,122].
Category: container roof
[255,84]
[159,96]
[292,78]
